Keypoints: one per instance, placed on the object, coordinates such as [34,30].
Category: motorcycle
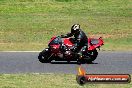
[60,49]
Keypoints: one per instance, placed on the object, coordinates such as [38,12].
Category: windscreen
[56,41]
[94,41]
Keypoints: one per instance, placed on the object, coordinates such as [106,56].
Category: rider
[80,38]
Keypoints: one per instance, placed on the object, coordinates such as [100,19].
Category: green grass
[49,81]
[29,24]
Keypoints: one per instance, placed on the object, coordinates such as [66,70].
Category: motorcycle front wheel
[91,56]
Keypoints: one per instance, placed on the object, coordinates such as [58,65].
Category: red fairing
[101,42]
[92,43]
[52,38]
[91,48]
[98,44]
[55,48]
[67,42]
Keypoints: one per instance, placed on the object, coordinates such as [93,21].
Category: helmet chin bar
[76,26]
[75,29]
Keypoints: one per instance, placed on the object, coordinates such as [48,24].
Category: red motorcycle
[60,49]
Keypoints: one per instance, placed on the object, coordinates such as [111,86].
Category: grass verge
[49,81]
[34,22]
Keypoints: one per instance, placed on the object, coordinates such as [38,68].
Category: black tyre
[44,56]
[91,56]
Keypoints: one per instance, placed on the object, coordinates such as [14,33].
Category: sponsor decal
[83,78]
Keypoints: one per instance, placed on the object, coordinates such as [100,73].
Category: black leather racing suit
[81,40]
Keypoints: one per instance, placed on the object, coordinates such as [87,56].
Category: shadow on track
[65,62]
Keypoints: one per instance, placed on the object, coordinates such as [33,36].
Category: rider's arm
[67,35]
[78,41]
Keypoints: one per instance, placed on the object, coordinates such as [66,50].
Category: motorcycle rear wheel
[44,56]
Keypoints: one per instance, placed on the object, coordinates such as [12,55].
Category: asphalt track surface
[27,62]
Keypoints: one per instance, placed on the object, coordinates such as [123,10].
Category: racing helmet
[75,28]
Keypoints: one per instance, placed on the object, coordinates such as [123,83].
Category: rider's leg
[83,49]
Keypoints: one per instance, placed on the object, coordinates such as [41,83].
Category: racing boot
[80,55]
[81,52]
